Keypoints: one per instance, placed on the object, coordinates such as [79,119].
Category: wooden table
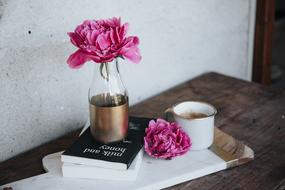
[250,112]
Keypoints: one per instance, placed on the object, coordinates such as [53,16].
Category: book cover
[119,155]
[94,172]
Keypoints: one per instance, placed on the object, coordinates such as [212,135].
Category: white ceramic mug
[200,130]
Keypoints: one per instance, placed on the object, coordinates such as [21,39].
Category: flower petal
[124,30]
[102,42]
[77,59]
[75,39]
[133,54]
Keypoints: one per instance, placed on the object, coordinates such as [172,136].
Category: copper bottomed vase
[109,123]
[108,104]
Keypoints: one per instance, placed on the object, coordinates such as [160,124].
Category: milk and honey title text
[106,150]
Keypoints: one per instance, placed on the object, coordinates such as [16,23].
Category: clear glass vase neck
[107,80]
[109,68]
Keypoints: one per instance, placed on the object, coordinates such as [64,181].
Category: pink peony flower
[165,140]
[102,41]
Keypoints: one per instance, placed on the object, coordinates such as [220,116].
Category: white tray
[154,173]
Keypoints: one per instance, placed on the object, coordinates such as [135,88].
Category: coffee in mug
[193,115]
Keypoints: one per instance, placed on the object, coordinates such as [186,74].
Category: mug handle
[168,115]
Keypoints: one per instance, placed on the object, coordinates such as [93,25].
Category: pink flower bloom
[102,41]
[165,140]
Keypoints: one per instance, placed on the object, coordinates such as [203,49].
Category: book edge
[93,162]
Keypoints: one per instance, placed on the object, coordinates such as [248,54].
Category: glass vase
[108,104]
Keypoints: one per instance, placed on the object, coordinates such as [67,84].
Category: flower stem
[106,67]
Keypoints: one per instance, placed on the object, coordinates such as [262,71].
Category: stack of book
[86,158]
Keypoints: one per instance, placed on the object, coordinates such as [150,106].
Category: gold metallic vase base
[109,117]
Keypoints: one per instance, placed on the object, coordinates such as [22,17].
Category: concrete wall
[41,98]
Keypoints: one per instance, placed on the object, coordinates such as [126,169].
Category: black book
[119,155]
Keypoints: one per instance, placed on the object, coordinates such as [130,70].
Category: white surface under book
[153,174]
[93,172]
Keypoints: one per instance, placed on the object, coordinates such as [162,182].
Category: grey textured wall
[41,98]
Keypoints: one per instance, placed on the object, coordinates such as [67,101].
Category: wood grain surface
[231,150]
[252,113]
